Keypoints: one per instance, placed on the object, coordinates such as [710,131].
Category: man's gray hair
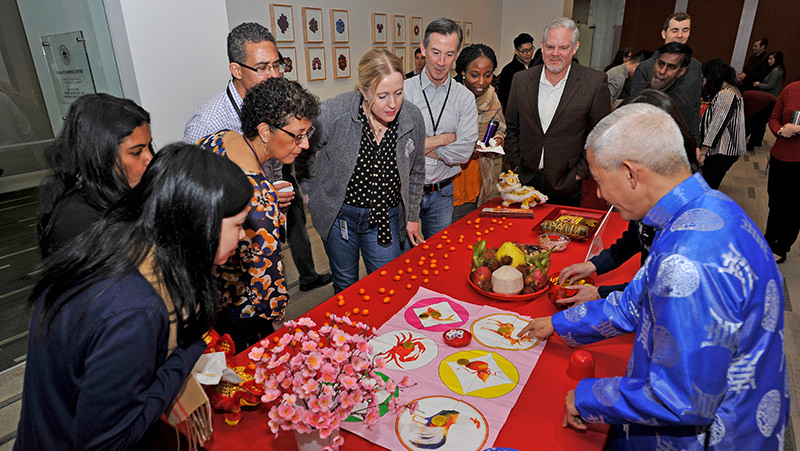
[563,22]
[641,133]
[243,33]
[445,26]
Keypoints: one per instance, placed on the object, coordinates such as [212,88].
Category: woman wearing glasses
[100,154]
[366,187]
[276,124]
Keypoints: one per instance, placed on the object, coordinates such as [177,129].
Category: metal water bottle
[490,131]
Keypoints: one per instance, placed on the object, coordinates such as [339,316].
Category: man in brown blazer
[551,109]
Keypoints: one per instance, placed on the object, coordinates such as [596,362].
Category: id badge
[343,229]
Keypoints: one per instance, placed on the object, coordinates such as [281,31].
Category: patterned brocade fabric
[707,308]
[252,281]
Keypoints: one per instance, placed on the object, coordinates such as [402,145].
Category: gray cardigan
[325,171]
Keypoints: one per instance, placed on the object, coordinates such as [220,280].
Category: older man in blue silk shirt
[707,369]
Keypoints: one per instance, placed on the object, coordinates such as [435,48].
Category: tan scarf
[190,412]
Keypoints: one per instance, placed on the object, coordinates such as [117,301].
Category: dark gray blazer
[334,151]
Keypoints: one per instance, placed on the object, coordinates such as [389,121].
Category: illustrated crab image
[512,191]
[227,397]
[506,330]
[407,349]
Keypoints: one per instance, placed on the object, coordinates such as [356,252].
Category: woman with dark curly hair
[276,123]
[722,125]
[99,155]
[118,317]
[475,184]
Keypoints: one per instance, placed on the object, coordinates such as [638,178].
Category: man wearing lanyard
[451,122]
[254,58]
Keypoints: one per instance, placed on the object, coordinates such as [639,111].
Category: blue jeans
[436,211]
[343,254]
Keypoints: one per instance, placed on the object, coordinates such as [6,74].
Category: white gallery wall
[174,58]
[486,18]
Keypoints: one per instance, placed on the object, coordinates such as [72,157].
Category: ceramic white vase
[312,442]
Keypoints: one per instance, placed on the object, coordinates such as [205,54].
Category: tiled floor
[745,183]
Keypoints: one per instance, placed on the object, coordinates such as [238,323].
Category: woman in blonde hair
[365,186]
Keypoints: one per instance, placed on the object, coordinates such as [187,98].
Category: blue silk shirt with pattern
[707,366]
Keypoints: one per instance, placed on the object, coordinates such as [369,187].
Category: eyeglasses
[264,68]
[298,139]
[526,51]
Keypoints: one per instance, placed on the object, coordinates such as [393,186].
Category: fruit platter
[512,272]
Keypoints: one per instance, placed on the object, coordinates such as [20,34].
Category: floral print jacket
[251,282]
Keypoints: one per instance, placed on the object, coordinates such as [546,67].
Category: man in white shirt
[545,140]
[451,122]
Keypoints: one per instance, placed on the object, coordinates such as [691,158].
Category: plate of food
[576,223]
[513,272]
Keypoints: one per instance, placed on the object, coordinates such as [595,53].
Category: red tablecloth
[535,421]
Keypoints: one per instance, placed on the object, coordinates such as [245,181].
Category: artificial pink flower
[311,386]
[380,363]
[348,382]
[255,353]
[285,411]
[339,338]
[308,346]
[270,395]
[339,356]
[325,402]
[306,321]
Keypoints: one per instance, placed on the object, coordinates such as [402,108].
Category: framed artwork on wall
[415,30]
[458,22]
[340,26]
[312,24]
[289,55]
[412,60]
[468,33]
[341,62]
[400,52]
[378,28]
[315,63]
[398,29]
[282,22]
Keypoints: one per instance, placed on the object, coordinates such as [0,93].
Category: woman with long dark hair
[276,124]
[118,316]
[722,125]
[475,184]
[100,154]
[777,74]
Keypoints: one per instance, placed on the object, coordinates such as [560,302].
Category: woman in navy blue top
[118,317]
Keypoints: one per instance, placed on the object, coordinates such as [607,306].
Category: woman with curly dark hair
[276,123]
[118,316]
[100,154]
[722,125]
[475,184]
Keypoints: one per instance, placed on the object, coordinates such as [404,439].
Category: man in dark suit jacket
[551,109]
